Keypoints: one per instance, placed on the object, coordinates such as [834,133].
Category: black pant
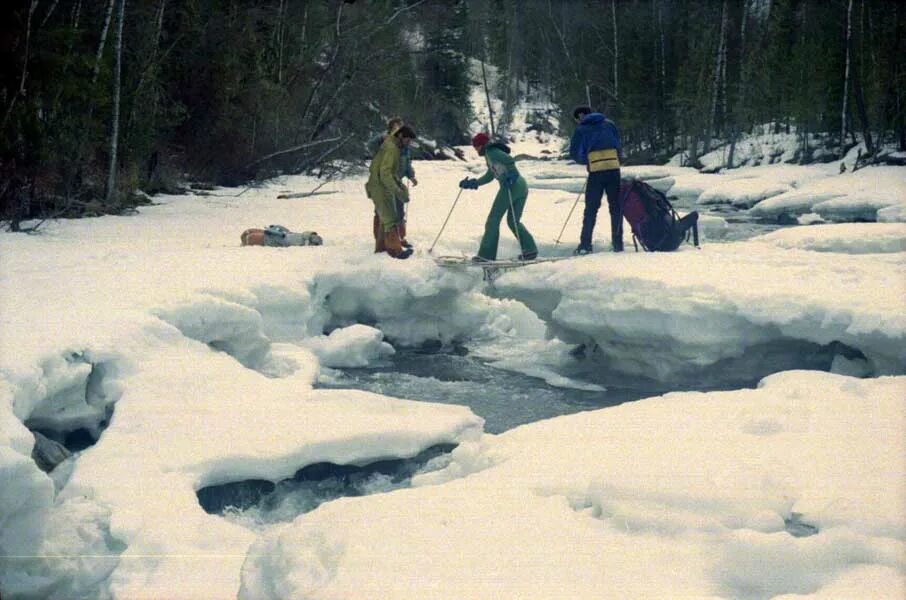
[600,182]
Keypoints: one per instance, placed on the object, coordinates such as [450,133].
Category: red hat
[480,140]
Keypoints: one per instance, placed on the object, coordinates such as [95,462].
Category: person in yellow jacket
[406,170]
[385,188]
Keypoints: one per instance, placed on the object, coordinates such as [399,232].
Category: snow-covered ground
[205,358]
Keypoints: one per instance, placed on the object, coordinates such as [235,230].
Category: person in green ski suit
[509,200]
[385,189]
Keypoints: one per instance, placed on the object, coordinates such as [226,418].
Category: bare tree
[115,119]
[741,84]
[616,51]
[101,43]
[858,91]
[849,12]
[152,60]
[21,90]
[487,94]
[719,76]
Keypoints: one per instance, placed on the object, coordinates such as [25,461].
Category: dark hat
[581,110]
[405,132]
[480,139]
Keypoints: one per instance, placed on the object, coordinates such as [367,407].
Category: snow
[683,495]
[764,148]
[847,238]
[858,195]
[353,346]
[207,354]
[662,317]
[742,192]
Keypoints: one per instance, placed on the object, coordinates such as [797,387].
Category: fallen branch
[289,151]
[307,194]
[247,188]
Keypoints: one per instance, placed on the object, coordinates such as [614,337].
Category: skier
[510,200]
[596,144]
[405,170]
[387,191]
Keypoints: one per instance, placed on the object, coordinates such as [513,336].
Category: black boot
[616,234]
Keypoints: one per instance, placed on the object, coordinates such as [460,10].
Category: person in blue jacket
[596,144]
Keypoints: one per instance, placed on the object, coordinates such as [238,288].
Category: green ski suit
[384,186]
[513,191]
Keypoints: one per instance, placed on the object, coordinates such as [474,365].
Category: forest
[106,102]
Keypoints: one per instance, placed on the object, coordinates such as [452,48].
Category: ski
[504,263]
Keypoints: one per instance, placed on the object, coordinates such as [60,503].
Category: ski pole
[442,227]
[557,241]
[515,222]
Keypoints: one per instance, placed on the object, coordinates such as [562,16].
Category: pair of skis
[493,268]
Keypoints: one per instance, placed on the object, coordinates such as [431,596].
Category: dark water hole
[257,502]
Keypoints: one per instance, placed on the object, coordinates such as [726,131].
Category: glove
[510,177]
[469,184]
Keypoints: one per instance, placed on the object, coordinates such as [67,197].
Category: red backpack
[655,224]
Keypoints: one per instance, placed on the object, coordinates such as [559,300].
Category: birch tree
[849,12]
[115,119]
[741,89]
[718,78]
[102,42]
[616,51]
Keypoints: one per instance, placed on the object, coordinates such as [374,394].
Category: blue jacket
[594,132]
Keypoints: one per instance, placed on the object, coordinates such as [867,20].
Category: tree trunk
[719,71]
[149,67]
[50,10]
[858,70]
[115,128]
[22,79]
[280,39]
[860,110]
[738,118]
[849,12]
[101,43]
[487,94]
[662,87]
[616,53]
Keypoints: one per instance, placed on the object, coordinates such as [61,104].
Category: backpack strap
[278,231]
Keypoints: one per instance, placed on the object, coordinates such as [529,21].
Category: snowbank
[853,196]
[742,192]
[849,238]
[733,494]
[669,315]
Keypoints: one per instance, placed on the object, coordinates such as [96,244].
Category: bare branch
[289,150]
[569,58]
[327,153]
[402,10]
[326,70]
[21,90]
[49,12]
[101,43]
